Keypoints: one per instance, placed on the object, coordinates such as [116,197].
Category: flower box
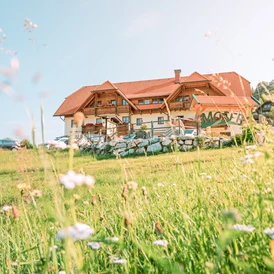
[88,128]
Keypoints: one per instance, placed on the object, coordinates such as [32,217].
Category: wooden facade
[151,100]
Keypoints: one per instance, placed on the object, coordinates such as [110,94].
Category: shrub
[237,140]
[143,128]
[26,143]
[248,134]
[200,141]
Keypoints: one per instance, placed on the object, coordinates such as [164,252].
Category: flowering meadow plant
[76,232]
[156,212]
[71,179]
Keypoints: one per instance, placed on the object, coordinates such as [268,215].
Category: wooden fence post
[179,125]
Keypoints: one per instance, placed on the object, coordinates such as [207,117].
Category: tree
[264,91]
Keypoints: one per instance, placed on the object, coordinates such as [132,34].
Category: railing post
[179,125]
[128,129]
[152,129]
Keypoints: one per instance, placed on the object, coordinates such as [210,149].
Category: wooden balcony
[95,129]
[89,111]
[106,110]
[123,109]
[179,105]
[87,129]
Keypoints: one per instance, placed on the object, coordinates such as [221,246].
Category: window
[267,107]
[125,119]
[124,102]
[147,101]
[157,101]
[179,99]
[161,120]
[113,102]
[98,120]
[186,98]
[71,123]
[139,121]
[99,103]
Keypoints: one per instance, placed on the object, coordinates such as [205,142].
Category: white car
[193,132]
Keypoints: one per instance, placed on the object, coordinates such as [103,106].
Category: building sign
[221,118]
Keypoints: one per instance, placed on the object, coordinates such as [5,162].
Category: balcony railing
[123,109]
[105,110]
[89,111]
[101,110]
[179,105]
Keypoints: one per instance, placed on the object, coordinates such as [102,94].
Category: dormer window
[157,100]
[142,102]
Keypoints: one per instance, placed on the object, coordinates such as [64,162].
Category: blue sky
[85,42]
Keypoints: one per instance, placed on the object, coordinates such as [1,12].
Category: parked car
[60,137]
[64,140]
[9,144]
[193,132]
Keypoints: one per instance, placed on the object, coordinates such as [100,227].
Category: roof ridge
[106,85]
[195,74]
[169,78]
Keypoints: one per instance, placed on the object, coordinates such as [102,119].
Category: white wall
[147,118]
[68,128]
[187,114]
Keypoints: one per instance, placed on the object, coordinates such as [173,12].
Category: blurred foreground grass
[190,199]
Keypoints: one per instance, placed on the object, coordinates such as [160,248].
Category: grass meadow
[182,217]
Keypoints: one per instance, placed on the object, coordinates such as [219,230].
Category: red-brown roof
[196,77]
[74,101]
[225,100]
[228,83]
[149,106]
[105,86]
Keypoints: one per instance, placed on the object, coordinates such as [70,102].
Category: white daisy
[246,228]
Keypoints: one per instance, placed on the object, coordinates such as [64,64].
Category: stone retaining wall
[156,145]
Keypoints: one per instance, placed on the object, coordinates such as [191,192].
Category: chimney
[177,76]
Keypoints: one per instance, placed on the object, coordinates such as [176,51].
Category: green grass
[191,209]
